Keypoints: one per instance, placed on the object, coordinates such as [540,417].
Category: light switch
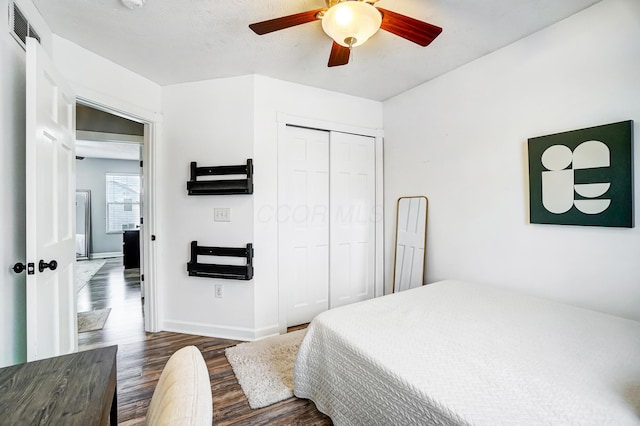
[222,214]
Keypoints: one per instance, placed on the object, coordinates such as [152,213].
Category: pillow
[183,393]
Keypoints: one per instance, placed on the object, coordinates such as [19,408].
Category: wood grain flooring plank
[142,356]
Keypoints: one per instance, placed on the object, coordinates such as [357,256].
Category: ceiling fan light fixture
[351,23]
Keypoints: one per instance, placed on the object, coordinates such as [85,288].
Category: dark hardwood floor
[142,356]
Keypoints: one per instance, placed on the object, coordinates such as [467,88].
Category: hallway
[119,289]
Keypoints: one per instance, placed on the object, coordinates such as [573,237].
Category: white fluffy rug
[85,269]
[264,368]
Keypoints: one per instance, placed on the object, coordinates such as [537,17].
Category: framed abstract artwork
[583,177]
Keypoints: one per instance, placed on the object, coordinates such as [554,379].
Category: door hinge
[142,221]
[140,163]
[142,277]
[153,238]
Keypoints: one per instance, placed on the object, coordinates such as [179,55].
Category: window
[123,202]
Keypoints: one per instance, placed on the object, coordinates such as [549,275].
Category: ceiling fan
[350,23]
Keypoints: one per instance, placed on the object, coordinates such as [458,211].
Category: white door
[303,217]
[353,215]
[141,228]
[50,186]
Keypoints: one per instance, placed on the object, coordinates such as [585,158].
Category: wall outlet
[222,214]
[218,291]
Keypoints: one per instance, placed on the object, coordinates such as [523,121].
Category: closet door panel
[352,230]
[303,217]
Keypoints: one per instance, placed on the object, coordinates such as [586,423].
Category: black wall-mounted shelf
[210,270]
[223,186]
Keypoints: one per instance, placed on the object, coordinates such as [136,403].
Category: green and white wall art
[583,177]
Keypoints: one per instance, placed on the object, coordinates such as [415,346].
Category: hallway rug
[264,368]
[85,269]
[92,320]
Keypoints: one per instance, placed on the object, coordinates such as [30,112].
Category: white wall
[461,141]
[91,175]
[213,122]
[12,172]
[210,122]
[271,98]
[103,83]
[97,79]
[92,77]
[224,122]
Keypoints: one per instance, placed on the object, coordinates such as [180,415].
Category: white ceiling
[189,40]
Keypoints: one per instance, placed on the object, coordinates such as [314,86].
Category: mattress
[456,353]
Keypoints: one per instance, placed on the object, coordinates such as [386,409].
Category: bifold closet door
[303,217]
[353,218]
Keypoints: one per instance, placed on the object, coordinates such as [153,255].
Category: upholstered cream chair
[183,394]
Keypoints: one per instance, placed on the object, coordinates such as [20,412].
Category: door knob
[20,267]
[44,265]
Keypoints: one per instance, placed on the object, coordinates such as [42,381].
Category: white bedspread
[459,353]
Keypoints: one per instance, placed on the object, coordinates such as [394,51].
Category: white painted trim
[105,255]
[285,119]
[107,103]
[282,299]
[201,329]
[153,305]
[263,333]
[379,273]
[312,123]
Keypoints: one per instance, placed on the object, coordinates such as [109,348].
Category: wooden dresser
[74,389]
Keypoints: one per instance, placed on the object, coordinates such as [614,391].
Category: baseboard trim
[262,333]
[200,329]
[221,332]
[105,255]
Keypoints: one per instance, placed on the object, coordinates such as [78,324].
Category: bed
[456,353]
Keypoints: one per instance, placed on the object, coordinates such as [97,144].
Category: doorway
[109,151]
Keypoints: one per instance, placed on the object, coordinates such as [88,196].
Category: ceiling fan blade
[411,29]
[281,23]
[339,55]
